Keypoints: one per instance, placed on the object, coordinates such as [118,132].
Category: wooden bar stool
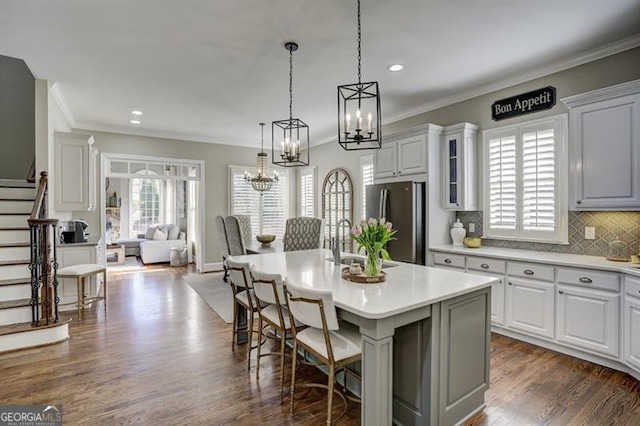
[80,272]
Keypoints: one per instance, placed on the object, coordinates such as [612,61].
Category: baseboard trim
[212,267]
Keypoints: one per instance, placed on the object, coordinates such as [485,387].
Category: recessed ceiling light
[136,112]
[134,121]
[395,67]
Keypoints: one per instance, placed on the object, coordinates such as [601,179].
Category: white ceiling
[211,70]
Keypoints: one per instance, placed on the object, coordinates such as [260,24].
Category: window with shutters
[366,175]
[307,206]
[268,210]
[525,182]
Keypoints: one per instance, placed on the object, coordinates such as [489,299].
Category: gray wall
[17,118]
[217,158]
[605,72]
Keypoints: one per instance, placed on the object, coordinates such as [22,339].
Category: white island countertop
[559,259]
[407,286]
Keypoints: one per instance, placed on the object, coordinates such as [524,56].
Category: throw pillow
[174,232]
[159,235]
[150,232]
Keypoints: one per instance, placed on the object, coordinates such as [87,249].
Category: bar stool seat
[80,272]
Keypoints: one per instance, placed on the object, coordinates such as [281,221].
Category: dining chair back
[222,236]
[234,237]
[244,221]
[303,233]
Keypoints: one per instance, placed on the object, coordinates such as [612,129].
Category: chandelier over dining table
[262,180]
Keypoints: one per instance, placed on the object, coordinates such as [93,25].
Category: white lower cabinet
[632,323]
[492,268]
[589,319]
[584,309]
[530,306]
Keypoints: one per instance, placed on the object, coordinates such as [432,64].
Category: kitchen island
[426,335]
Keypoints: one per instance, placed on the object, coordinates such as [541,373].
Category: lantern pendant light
[290,137]
[359,118]
[261,181]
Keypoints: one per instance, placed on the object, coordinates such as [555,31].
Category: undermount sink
[348,260]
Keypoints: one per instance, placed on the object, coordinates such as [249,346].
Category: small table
[118,251]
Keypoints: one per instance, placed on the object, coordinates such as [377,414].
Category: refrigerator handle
[381,203]
[383,212]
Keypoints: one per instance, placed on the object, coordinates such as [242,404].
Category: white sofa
[155,245]
[156,251]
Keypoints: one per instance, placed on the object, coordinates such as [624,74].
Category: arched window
[337,204]
[146,204]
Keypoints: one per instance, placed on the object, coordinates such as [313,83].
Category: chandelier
[261,181]
[295,133]
[354,101]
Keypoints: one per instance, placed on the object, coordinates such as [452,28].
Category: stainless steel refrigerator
[402,203]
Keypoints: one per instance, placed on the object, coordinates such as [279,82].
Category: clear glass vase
[373,264]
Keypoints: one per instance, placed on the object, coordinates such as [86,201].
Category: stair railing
[44,264]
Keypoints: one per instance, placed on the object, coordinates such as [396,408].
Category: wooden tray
[363,278]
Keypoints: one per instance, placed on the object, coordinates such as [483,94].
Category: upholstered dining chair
[272,313]
[234,236]
[224,244]
[242,287]
[334,343]
[244,221]
[303,233]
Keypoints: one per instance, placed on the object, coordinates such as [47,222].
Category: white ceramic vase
[458,233]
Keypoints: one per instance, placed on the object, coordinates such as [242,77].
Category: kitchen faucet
[336,246]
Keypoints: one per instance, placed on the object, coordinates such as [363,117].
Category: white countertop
[407,286]
[559,259]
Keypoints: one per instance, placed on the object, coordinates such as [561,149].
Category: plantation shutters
[268,215]
[525,182]
[307,191]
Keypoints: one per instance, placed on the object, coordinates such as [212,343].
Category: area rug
[215,292]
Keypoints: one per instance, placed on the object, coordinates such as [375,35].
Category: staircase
[17,327]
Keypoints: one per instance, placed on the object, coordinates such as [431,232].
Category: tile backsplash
[610,226]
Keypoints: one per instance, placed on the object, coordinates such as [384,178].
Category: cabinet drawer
[632,286]
[589,278]
[529,270]
[486,265]
[446,259]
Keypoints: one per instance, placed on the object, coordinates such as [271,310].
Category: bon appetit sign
[526,103]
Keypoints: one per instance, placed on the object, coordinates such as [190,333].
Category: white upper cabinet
[75,169]
[402,156]
[459,160]
[605,148]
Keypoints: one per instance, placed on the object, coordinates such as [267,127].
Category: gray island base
[426,335]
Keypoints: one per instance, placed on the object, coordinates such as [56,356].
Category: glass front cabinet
[460,152]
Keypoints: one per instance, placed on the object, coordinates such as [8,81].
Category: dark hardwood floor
[162,356]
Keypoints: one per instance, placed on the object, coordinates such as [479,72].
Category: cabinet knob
[394,173]
[585,280]
[560,291]
[509,282]
[447,261]
[484,266]
[578,202]
[400,173]
[528,271]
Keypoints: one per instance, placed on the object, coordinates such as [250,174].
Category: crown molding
[56,92]
[622,89]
